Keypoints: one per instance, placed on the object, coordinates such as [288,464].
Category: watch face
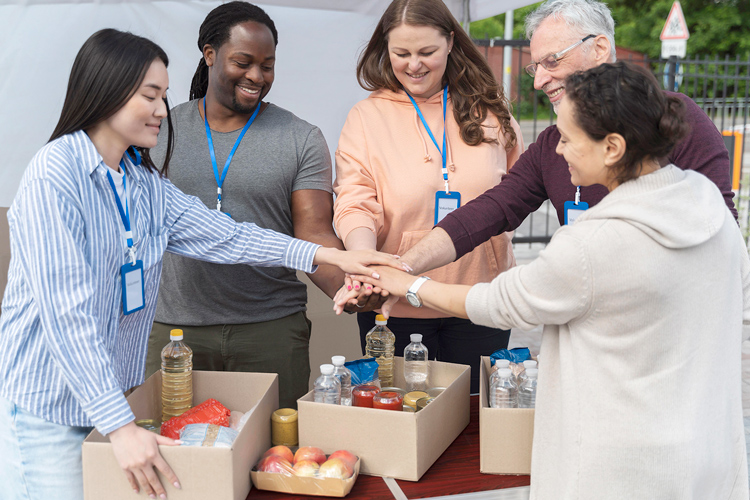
[413,299]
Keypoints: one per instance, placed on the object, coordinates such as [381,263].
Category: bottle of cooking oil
[176,377]
[381,344]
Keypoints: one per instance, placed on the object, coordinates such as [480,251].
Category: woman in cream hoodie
[396,156]
[645,300]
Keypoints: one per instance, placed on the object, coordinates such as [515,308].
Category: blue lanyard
[124,213]
[429,132]
[220,180]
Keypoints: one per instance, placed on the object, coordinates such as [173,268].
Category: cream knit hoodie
[388,171]
[644,301]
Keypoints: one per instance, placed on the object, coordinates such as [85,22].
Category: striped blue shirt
[67,352]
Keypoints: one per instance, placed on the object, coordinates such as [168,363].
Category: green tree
[717,27]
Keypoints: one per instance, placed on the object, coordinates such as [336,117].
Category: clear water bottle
[381,344]
[327,386]
[529,363]
[416,368]
[527,390]
[176,377]
[345,378]
[503,390]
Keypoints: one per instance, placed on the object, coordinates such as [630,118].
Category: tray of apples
[306,471]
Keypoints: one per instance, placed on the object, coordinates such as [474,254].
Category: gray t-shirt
[279,153]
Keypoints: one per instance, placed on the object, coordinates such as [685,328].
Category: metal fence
[720,86]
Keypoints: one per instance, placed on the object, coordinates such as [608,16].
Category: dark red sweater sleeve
[501,208]
[703,150]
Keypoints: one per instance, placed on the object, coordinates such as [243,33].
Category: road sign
[677,48]
[675,28]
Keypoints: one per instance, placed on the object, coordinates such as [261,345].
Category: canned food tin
[150,424]
[421,403]
[412,397]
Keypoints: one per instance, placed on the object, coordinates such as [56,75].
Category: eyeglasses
[552,61]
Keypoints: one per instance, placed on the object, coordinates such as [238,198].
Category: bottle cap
[502,363]
[338,360]
[504,372]
[529,363]
[532,372]
[175,334]
[416,337]
[380,320]
[326,369]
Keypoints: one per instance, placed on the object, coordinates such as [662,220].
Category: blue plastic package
[364,371]
[207,435]
[515,355]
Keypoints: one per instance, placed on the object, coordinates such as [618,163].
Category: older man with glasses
[566,36]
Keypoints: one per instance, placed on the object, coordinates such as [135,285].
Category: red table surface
[455,472]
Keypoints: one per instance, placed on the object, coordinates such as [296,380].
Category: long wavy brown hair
[473,88]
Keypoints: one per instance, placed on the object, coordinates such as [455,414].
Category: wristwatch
[411,295]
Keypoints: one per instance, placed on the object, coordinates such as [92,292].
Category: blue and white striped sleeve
[51,237]
[201,233]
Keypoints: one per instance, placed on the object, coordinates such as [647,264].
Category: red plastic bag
[208,412]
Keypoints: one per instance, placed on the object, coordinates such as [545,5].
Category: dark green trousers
[280,346]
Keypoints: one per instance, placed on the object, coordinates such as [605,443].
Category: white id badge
[133,297]
[446,203]
[573,211]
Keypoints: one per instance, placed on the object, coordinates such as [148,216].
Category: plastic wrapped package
[207,435]
[515,355]
[208,412]
[307,471]
[364,371]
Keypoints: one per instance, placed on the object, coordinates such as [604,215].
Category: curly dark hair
[473,87]
[625,99]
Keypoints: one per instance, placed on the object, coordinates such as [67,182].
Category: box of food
[396,444]
[288,480]
[505,434]
[203,472]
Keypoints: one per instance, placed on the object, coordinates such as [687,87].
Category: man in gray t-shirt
[242,318]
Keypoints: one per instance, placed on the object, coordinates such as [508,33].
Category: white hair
[587,17]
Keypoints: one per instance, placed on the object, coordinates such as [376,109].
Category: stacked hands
[379,289]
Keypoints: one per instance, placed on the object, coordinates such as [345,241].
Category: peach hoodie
[388,171]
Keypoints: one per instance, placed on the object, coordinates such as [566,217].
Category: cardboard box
[505,434]
[215,473]
[319,486]
[394,444]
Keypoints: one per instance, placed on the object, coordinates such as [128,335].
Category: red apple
[335,468]
[280,451]
[349,458]
[273,463]
[310,453]
[306,468]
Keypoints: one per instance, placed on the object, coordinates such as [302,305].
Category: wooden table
[455,472]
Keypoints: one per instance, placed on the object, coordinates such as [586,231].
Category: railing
[721,87]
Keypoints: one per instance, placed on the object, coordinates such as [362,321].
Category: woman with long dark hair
[88,229]
[435,133]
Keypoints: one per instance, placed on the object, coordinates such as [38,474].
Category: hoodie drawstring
[427,157]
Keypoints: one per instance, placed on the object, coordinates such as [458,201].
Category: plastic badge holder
[364,371]
[516,355]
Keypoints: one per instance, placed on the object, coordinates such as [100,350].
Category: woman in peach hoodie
[436,132]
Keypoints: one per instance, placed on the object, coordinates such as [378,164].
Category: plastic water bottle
[327,386]
[529,363]
[176,377]
[381,344]
[527,391]
[503,390]
[416,368]
[345,378]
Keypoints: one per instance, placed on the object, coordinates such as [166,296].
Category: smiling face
[553,36]
[241,72]
[586,157]
[419,55]
[137,122]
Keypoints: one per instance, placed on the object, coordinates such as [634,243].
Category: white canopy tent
[319,41]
